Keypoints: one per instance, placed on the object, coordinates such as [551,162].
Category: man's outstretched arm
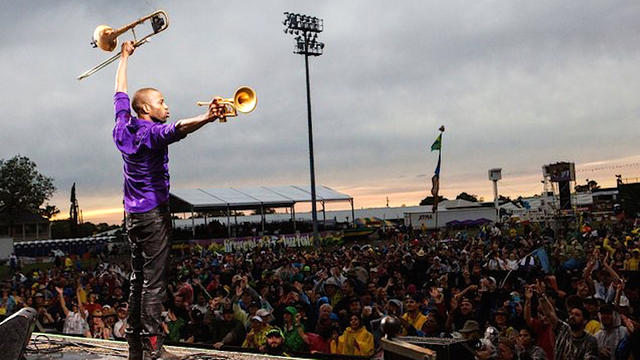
[190,125]
[121,73]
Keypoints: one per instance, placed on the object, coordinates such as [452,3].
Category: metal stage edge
[61,347]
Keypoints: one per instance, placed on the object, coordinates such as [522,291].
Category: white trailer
[6,248]
[449,216]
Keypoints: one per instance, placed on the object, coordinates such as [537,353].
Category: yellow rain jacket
[354,342]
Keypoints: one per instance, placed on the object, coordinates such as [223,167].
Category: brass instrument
[106,38]
[244,100]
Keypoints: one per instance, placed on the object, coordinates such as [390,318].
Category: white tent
[227,199]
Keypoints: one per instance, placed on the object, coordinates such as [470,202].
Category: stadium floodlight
[306,29]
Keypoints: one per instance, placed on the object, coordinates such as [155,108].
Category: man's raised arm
[121,74]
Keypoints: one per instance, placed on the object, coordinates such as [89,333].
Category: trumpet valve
[104,39]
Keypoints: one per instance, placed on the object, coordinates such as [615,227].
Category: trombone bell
[104,39]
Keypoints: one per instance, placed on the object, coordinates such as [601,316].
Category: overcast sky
[517,84]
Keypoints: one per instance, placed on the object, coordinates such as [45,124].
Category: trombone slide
[159,22]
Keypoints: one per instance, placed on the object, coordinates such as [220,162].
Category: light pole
[306,29]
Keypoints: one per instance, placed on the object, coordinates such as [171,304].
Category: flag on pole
[542,256]
[435,184]
[437,145]
[435,180]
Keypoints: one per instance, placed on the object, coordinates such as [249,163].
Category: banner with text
[251,242]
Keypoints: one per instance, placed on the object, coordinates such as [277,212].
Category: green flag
[437,144]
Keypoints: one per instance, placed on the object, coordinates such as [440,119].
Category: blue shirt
[144,148]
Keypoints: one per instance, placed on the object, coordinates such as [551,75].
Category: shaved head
[141,97]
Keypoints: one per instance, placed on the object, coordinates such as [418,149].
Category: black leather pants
[149,238]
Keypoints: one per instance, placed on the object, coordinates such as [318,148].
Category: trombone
[106,38]
[244,100]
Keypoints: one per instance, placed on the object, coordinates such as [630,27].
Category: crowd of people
[513,292]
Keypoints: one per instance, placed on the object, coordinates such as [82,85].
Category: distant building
[604,199]
[25,226]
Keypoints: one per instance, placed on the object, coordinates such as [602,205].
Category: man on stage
[143,142]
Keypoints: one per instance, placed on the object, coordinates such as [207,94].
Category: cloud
[517,85]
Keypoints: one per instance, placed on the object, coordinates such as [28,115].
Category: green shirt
[292,339]
[174,329]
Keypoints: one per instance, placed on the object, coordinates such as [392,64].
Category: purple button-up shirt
[144,148]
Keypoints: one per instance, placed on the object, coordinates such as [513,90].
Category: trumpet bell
[245,99]
[104,39]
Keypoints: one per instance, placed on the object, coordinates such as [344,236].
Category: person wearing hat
[394,307]
[92,303]
[266,315]
[256,338]
[98,328]
[413,316]
[437,267]
[227,331]
[293,331]
[471,330]
[460,311]
[109,316]
[245,316]
[276,343]
[330,288]
[501,322]
[306,271]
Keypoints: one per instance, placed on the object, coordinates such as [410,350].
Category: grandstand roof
[186,200]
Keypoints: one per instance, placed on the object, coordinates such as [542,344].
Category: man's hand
[127,49]
[218,345]
[59,290]
[216,109]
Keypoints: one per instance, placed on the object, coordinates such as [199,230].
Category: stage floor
[60,347]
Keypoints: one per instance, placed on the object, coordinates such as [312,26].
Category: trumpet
[106,38]
[244,100]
